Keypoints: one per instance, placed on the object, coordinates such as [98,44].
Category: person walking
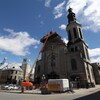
[71,87]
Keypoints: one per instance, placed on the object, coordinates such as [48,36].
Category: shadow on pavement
[94,96]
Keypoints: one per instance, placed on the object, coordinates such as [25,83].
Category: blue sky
[24,22]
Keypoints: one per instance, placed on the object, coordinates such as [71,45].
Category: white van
[58,85]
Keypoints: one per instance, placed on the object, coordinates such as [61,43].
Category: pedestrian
[22,89]
[78,85]
[71,87]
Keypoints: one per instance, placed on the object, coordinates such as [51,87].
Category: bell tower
[80,68]
[73,27]
[75,36]
[26,68]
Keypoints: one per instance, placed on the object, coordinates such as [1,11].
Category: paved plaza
[80,94]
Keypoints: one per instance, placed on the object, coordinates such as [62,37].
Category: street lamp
[43,77]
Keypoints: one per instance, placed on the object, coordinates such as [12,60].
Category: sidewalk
[88,91]
[77,91]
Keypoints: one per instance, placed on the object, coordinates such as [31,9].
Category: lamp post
[44,89]
[43,77]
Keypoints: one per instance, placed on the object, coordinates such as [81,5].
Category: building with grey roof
[10,73]
[96,70]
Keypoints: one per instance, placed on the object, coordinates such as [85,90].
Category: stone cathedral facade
[71,60]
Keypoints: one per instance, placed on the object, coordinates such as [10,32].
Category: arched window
[76,49]
[72,49]
[87,53]
[38,69]
[69,35]
[15,77]
[80,33]
[73,64]
[75,34]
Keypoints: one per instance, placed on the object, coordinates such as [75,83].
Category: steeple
[71,16]
[74,28]
[4,60]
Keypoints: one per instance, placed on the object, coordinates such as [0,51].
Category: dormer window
[13,66]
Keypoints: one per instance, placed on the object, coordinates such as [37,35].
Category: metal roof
[11,66]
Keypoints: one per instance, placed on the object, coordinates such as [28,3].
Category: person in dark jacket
[71,87]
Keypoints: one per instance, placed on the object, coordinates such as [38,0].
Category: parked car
[15,87]
[6,86]
[11,87]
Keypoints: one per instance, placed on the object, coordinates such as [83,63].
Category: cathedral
[60,60]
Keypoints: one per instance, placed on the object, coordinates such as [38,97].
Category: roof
[3,65]
[76,41]
[11,66]
[96,63]
[51,35]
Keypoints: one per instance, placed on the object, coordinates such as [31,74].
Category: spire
[4,60]
[71,15]
[25,60]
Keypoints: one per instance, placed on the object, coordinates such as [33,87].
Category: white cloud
[47,3]
[17,42]
[39,16]
[42,22]
[65,40]
[77,5]
[94,54]
[97,59]
[62,27]
[87,12]
[35,46]
[59,10]
[2,52]
[58,15]
[86,28]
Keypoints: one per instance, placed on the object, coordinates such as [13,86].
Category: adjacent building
[10,73]
[26,68]
[14,72]
[96,70]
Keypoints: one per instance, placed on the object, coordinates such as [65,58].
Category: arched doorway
[76,81]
